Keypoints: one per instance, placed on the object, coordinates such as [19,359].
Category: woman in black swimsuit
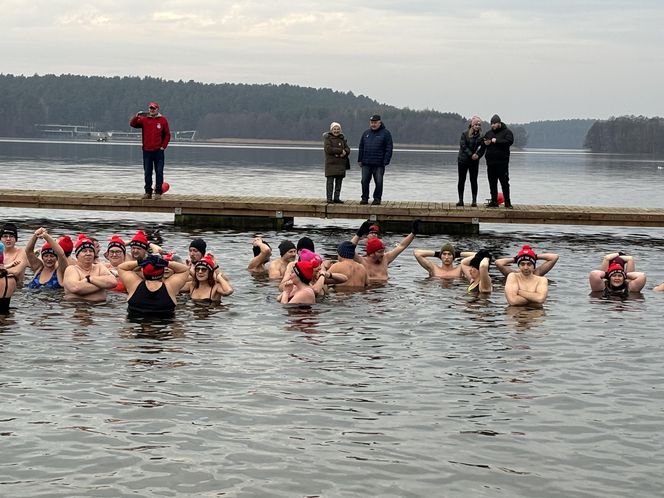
[208,286]
[151,294]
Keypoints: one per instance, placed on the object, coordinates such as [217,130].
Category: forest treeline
[226,110]
[558,134]
[627,134]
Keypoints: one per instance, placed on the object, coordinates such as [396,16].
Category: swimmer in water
[524,287]
[475,268]
[377,259]
[151,294]
[297,290]
[86,279]
[50,269]
[545,262]
[208,287]
[446,270]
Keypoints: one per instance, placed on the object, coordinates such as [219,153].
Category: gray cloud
[518,58]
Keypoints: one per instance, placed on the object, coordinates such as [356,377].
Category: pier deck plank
[317,208]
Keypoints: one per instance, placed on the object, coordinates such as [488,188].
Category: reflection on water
[412,388]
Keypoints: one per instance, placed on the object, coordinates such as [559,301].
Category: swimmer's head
[526,254]
[46,249]
[82,243]
[304,271]
[479,256]
[67,244]
[346,249]
[10,230]
[140,240]
[305,243]
[447,248]
[310,257]
[153,267]
[374,245]
[286,246]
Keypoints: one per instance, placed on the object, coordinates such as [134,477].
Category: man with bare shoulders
[86,279]
[16,260]
[549,261]
[288,253]
[377,260]
[523,287]
[446,254]
[355,272]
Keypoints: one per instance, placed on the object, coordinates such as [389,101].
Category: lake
[408,389]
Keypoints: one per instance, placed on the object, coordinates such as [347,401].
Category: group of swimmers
[152,278]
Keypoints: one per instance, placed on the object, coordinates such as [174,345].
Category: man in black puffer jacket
[375,152]
[497,143]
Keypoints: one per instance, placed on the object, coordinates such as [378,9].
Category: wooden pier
[280,212]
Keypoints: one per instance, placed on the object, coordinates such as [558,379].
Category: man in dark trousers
[497,143]
[156,135]
[375,152]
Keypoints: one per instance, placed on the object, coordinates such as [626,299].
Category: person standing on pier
[469,159]
[497,143]
[374,153]
[336,161]
[156,135]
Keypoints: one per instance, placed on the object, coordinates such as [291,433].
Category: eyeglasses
[201,269]
[115,253]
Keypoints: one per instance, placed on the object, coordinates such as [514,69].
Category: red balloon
[501,198]
[165,187]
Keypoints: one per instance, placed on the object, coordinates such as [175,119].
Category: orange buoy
[165,187]
[501,198]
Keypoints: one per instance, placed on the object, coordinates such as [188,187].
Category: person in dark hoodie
[374,153]
[497,143]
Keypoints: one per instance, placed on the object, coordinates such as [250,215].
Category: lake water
[409,389]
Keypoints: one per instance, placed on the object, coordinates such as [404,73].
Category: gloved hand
[484,253]
[364,228]
[415,227]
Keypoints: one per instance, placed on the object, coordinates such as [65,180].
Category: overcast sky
[525,60]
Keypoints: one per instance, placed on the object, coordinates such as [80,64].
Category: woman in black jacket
[336,161]
[469,159]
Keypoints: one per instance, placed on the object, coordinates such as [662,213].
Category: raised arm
[34,262]
[549,261]
[504,266]
[636,280]
[421,256]
[403,245]
[260,259]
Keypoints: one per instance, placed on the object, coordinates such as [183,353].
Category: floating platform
[243,213]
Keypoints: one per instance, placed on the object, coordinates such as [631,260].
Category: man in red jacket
[156,135]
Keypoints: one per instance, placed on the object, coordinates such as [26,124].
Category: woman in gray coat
[336,161]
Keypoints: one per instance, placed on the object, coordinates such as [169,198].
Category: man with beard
[377,260]
[288,253]
[523,287]
[497,143]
